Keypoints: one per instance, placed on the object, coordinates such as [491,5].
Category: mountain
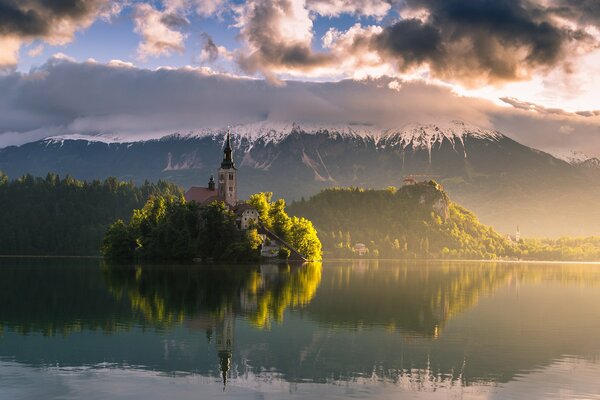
[504,182]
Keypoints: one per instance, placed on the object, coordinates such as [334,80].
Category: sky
[529,68]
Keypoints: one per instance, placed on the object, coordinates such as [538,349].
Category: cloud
[160,31]
[36,51]
[278,38]
[54,22]
[529,106]
[334,8]
[66,97]
[210,52]
[474,43]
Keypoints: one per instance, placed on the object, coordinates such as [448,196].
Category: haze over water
[343,329]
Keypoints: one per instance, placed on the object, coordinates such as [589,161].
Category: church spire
[228,153]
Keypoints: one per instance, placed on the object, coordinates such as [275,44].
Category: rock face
[427,197]
[504,182]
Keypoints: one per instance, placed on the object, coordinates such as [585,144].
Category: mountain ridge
[504,182]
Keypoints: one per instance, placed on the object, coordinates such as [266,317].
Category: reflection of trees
[166,295]
[53,296]
[422,297]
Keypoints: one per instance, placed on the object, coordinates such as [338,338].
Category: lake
[81,329]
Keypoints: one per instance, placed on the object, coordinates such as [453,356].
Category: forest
[66,216]
[420,221]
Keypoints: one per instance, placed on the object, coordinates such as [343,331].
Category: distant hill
[417,220]
[504,182]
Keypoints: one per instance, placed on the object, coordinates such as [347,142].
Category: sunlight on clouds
[9,51]
[158,38]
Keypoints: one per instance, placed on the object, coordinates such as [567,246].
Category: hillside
[417,220]
[504,182]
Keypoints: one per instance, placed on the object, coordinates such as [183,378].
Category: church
[226,190]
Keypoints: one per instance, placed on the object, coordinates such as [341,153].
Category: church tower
[228,175]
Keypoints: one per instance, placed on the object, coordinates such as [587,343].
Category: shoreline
[420,260]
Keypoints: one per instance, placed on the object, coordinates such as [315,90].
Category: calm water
[85,330]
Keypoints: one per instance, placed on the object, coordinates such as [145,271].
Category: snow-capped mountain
[579,158]
[414,135]
[503,181]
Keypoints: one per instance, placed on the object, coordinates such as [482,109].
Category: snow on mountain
[572,156]
[420,136]
[415,136]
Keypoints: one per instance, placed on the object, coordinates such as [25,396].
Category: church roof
[201,195]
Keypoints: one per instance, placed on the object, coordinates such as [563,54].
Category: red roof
[201,195]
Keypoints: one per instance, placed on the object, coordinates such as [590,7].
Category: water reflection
[416,327]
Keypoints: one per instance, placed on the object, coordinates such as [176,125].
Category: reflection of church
[224,342]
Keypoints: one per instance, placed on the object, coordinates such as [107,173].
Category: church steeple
[227,162]
[228,174]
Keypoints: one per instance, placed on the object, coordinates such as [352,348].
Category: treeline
[420,221]
[413,221]
[66,216]
[168,228]
[565,249]
[298,232]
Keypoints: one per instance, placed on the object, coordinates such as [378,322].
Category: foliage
[284,253]
[298,232]
[65,216]
[565,248]
[413,221]
[169,228]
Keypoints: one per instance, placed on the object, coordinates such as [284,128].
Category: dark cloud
[479,41]
[412,40]
[209,48]
[583,11]
[175,21]
[37,18]
[474,42]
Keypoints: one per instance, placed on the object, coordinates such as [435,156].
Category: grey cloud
[37,18]
[54,21]
[209,48]
[471,42]
[268,47]
[175,21]
[64,97]
[478,41]
[525,105]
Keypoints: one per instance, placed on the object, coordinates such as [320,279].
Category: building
[246,215]
[227,182]
[360,249]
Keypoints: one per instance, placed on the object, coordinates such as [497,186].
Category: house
[246,215]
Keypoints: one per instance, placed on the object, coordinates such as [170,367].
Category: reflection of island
[210,298]
[420,298]
[168,295]
[368,320]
